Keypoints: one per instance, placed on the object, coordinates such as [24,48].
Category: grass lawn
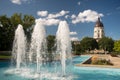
[5,57]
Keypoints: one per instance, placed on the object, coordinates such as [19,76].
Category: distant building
[76,42]
[98,30]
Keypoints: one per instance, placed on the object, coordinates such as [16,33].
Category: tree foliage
[117,46]
[50,47]
[27,22]
[106,44]
[16,19]
[50,43]
[8,26]
[6,33]
[76,48]
[88,43]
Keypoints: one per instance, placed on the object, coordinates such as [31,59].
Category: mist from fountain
[63,44]
[38,44]
[19,47]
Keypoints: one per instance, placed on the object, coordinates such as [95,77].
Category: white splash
[19,47]
[38,44]
[63,44]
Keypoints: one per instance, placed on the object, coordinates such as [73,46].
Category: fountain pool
[77,73]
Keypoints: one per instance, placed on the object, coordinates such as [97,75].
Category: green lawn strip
[5,57]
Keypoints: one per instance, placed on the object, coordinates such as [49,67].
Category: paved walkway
[115,61]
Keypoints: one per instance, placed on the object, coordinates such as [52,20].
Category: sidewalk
[115,61]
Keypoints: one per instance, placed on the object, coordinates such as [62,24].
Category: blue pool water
[80,59]
[77,73]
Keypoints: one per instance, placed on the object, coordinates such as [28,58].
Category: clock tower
[98,30]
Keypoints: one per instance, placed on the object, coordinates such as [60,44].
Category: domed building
[98,30]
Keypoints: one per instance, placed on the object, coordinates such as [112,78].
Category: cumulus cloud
[19,2]
[67,16]
[86,16]
[78,3]
[51,19]
[48,22]
[61,13]
[73,16]
[42,13]
[73,33]
[16,1]
[74,39]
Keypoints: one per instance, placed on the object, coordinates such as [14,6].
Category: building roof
[99,23]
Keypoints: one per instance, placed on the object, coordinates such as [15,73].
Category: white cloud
[51,19]
[87,16]
[19,2]
[48,22]
[67,16]
[61,13]
[16,1]
[73,33]
[74,39]
[78,3]
[73,16]
[42,13]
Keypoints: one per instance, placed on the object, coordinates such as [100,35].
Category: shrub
[94,59]
[102,62]
[114,54]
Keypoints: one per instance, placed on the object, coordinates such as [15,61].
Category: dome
[99,23]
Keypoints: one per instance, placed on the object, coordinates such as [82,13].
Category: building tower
[98,30]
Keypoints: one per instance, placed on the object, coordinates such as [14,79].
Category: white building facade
[98,30]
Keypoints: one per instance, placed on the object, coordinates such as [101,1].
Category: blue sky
[81,15]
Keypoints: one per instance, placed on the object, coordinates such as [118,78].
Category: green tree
[117,46]
[76,47]
[106,44]
[8,26]
[16,19]
[50,42]
[27,22]
[73,46]
[50,47]
[88,43]
[6,33]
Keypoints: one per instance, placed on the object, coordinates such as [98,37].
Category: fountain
[19,47]
[63,44]
[38,44]
[38,55]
